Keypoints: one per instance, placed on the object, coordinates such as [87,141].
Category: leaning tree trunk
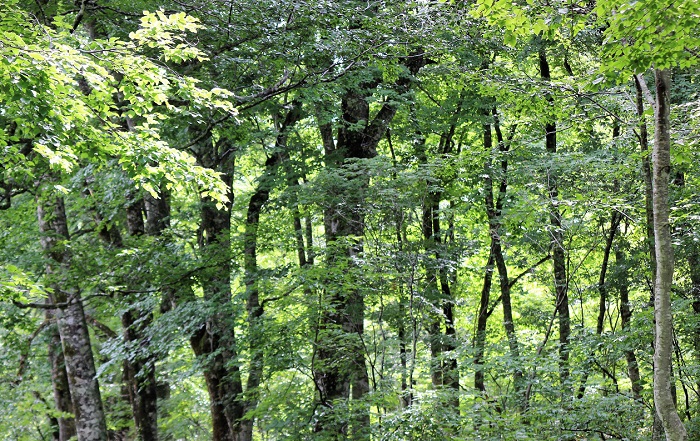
[626,319]
[72,327]
[494,212]
[663,347]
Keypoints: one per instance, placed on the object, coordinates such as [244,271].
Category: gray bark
[59,381]
[72,327]
[661,160]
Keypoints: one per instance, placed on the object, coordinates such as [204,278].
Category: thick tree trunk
[340,351]
[141,376]
[342,324]
[215,340]
[59,381]
[663,347]
[72,327]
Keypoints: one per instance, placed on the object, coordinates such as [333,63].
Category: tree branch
[645,89]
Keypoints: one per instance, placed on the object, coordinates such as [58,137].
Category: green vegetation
[326,220]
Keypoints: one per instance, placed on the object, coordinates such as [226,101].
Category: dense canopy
[324,220]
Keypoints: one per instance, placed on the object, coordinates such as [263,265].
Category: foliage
[210,108]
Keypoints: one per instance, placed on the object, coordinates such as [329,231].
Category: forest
[364,220]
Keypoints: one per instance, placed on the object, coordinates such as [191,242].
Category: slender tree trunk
[481,321]
[646,173]
[657,429]
[72,327]
[602,283]
[626,318]
[494,212]
[557,238]
[406,397]
[694,264]
[602,297]
[253,305]
[444,369]
[432,292]
[484,302]
[661,159]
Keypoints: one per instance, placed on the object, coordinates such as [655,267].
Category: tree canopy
[325,220]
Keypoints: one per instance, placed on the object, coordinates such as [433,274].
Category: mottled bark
[663,347]
[341,326]
[157,212]
[59,381]
[141,375]
[646,174]
[641,88]
[72,327]
[139,368]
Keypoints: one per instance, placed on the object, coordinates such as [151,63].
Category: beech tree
[320,220]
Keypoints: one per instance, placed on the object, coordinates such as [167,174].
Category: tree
[387,162]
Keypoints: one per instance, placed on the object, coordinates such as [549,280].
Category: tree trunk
[626,318]
[481,321]
[341,326]
[253,306]
[663,347]
[494,212]
[557,238]
[139,370]
[602,297]
[215,341]
[657,429]
[59,381]
[72,327]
